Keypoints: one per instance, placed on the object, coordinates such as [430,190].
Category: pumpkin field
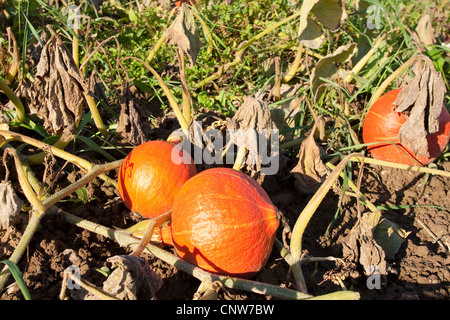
[224,150]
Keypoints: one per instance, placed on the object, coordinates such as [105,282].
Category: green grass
[138,29]
[14,269]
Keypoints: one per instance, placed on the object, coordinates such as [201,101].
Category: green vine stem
[186,96]
[402,166]
[125,240]
[155,49]
[147,236]
[206,30]
[75,44]
[41,207]
[363,61]
[96,170]
[38,158]
[20,110]
[240,156]
[240,51]
[173,103]
[95,114]
[37,213]
[14,68]
[80,162]
[295,65]
[305,217]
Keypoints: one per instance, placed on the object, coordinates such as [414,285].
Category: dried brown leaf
[10,204]
[327,67]
[252,119]
[310,171]
[359,247]
[183,32]
[282,115]
[253,114]
[132,279]
[330,13]
[421,100]
[371,241]
[130,124]
[424,33]
[57,93]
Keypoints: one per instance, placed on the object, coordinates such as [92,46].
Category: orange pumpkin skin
[383,124]
[224,222]
[149,178]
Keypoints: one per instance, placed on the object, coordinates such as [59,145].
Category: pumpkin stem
[148,233]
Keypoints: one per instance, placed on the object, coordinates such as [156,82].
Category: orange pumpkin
[224,222]
[151,175]
[383,123]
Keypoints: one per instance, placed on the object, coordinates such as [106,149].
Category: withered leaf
[132,279]
[359,247]
[250,123]
[10,204]
[253,114]
[183,32]
[371,241]
[327,67]
[389,236]
[424,32]
[310,170]
[421,100]
[312,36]
[57,93]
[330,13]
[130,124]
[282,115]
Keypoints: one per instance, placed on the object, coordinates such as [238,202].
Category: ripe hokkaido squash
[383,123]
[151,175]
[224,222]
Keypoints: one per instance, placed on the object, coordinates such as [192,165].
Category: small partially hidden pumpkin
[151,175]
[224,222]
[382,125]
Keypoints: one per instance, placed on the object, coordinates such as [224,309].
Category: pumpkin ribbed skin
[224,222]
[383,124]
[149,178]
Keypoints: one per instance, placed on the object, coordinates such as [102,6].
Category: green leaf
[132,16]
[14,269]
[82,194]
